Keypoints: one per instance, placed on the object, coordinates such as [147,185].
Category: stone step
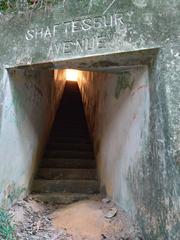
[68,139]
[72,129]
[80,123]
[69,133]
[59,173]
[65,186]
[68,163]
[68,154]
[70,146]
[61,198]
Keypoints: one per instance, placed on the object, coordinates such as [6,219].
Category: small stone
[103,236]
[111,213]
[106,200]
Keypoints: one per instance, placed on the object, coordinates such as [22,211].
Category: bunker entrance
[86,121]
[112,120]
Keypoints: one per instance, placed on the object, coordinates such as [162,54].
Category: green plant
[23,5]
[7,229]
[3,5]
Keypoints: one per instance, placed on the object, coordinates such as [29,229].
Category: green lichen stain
[12,193]
[124,82]
[15,193]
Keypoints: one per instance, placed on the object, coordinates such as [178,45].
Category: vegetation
[7,229]
[3,5]
[13,5]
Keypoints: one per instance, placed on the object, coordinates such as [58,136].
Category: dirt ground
[93,219]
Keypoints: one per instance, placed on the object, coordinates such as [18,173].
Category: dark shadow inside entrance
[67,171]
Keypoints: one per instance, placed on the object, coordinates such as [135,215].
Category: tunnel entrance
[115,93]
[68,170]
[102,116]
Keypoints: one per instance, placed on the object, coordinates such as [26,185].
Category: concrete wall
[123,124]
[27,111]
[117,108]
[61,32]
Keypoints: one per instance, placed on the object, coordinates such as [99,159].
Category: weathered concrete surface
[117,108]
[28,108]
[122,121]
[35,37]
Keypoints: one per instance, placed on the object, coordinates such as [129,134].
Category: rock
[111,213]
[103,236]
[106,200]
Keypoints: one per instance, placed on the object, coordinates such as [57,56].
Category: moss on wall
[12,193]
[124,81]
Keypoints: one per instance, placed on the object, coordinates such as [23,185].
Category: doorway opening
[67,170]
[113,92]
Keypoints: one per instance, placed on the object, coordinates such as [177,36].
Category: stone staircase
[68,170]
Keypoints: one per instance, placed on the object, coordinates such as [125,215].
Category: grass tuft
[7,229]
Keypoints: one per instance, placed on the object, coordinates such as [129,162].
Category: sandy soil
[94,219]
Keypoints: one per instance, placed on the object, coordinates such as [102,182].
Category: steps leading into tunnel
[57,173]
[67,171]
[61,198]
[70,186]
[68,163]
